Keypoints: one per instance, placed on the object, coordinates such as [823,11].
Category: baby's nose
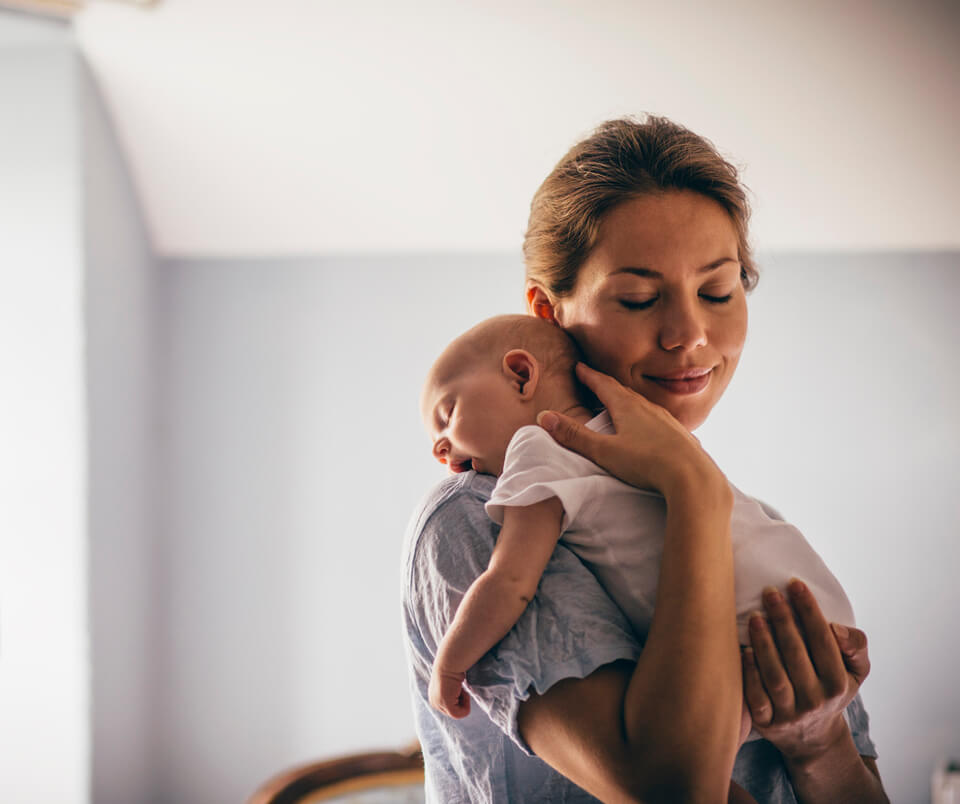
[440,449]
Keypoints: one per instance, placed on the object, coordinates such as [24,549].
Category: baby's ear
[523,371]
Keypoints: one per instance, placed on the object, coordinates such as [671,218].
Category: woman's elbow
[670,789]
[669,779]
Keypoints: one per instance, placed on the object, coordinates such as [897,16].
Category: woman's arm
[495,600]
[797,686]
[666,728]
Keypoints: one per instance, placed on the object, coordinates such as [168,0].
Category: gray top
[569,630]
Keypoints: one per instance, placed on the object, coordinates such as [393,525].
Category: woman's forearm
[666,728]
[685,694]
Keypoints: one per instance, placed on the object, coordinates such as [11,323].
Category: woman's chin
[691,410]
[690,416]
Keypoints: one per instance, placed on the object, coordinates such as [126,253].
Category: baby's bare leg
[739,796]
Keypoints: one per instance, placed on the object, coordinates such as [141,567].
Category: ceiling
[310,127]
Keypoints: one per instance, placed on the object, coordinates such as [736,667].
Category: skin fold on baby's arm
[495,600]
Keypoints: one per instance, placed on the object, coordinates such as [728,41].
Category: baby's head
[493,380]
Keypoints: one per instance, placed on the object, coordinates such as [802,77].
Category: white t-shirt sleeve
[537,468]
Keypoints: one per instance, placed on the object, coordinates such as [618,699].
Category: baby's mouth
[461,466]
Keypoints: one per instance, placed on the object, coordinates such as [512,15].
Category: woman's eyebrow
[651,274]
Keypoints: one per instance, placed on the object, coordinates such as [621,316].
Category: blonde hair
[624,159]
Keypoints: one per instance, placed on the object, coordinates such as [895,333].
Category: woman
[637,246]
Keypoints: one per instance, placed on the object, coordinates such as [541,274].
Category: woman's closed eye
[643,304]
[716,299]
[637,304]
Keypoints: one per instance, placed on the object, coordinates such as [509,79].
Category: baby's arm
[495,600]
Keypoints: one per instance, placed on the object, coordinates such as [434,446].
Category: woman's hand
[799,675]
[650,449]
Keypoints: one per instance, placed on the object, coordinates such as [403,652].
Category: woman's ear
[523,371]
[539,304]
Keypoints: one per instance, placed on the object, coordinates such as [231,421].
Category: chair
[369,778]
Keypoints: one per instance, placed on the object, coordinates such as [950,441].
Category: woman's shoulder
[464,492]
[450,521]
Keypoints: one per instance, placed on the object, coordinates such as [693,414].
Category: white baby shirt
[617,531]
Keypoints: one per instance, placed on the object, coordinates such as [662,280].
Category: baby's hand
[447,694]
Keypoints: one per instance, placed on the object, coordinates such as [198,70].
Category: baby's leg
[746,723]
[738,795]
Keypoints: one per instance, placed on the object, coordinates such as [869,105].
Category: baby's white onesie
[617,531]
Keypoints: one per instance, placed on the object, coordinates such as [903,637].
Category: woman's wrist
[833,770]
[811,753]
[697,482]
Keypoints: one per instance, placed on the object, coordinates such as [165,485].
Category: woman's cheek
[613,360]
[735,331]
[590,337]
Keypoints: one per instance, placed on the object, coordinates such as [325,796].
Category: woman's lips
[683,382]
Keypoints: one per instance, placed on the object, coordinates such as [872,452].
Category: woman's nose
[683,326]
[440,449]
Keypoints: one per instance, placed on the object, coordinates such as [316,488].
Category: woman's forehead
[669,232]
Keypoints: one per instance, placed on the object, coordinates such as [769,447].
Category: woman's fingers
[772,673]
[650,449]
[853,644]
[757,700]
[606,388]
[571,434]
[615,396]
[794,655]
[805,670]
[821,643]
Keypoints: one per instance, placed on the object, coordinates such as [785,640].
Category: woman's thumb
[853,645]
[567,432]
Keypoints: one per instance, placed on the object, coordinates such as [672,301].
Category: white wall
[427,125]
[294,455]
[76,415]
[44,652]
[121,392]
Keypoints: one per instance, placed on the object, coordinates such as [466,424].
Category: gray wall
[121,391]
[293,456]
[77,469]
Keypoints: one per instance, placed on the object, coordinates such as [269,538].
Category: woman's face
[659,303]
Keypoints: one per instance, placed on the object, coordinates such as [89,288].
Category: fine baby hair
[491,339]
[494,379]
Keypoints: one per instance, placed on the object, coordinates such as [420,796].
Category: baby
[480,404]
